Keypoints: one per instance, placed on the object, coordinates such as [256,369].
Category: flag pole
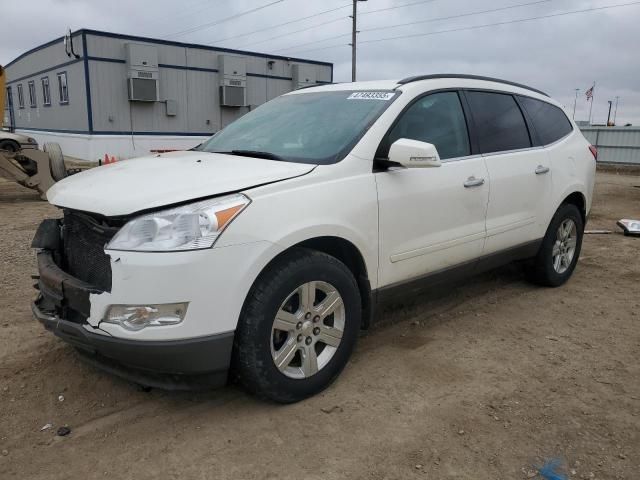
[593,89]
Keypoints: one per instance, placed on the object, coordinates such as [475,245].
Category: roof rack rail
[468,77]
[316,85]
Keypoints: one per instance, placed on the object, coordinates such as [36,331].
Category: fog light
[137,317]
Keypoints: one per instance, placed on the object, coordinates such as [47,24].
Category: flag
[589,93]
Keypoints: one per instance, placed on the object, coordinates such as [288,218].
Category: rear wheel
[560,249]
[298,327]
[56,160]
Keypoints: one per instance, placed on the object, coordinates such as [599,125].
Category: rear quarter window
[549,121]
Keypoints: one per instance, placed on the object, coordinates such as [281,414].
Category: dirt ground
[487,380]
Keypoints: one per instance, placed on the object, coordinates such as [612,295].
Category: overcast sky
[556,54]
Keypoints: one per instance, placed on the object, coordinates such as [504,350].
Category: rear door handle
[540,169]
[473,182]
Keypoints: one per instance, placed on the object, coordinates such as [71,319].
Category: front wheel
[560,249]
[298,327]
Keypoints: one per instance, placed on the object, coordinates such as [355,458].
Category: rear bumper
[175,365]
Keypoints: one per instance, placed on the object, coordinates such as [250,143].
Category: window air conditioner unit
[142,72]
[233,96]
[143,89]
[233,80]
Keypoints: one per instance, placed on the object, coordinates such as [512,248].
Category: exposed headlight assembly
[189,227]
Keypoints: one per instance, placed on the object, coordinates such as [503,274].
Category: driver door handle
[473,182]
[540,169]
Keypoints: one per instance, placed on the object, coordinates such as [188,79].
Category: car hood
[131,186]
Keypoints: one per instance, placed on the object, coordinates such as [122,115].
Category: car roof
[442,80]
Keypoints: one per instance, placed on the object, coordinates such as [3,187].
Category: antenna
[68,45]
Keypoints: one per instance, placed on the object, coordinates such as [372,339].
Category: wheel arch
[578,199]
[346,252]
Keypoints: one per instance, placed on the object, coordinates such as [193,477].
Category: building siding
[47,62]
[187,75]
[615,144]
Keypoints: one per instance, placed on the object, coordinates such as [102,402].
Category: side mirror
[414,154]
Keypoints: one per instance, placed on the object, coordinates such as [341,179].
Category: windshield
[318,128]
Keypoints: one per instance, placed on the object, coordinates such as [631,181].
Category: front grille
[84,238]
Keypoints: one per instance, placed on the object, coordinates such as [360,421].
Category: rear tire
[56,160]
[558,255]
[287,347]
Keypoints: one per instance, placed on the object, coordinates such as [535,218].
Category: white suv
[267,249]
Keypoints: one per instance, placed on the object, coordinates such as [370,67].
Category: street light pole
[609,114]
[575,101]
[615,112]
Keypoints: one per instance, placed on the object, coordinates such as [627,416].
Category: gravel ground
[485,380]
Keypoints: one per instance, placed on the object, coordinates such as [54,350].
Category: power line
[294,32]
[222,20]
[425,21]
[396,7]
[282,24]
[185,11]
[552,15]
[320,24]
[476,27]
[450,17]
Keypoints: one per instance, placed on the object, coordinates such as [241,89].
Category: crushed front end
[73,271]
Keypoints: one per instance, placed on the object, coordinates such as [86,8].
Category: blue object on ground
[549,471]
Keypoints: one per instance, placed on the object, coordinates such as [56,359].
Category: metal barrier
[615,144]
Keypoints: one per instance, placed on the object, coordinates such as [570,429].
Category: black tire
[56,160]
[9,146]
[542,270]
[252,364]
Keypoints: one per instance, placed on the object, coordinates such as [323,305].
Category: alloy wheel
[307,329]
[564,248]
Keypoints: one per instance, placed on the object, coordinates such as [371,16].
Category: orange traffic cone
[106,159]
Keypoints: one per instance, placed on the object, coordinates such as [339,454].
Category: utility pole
[354,33]
[575,101]
[609,114]
[615,113]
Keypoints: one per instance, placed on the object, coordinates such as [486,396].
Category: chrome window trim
[460,159]
[517,150]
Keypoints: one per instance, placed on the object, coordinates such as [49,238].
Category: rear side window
[438,119]
[499,122]
[549,121]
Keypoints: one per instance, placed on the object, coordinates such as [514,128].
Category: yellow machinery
[30,167]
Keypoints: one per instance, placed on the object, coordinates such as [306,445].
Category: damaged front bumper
[63,306]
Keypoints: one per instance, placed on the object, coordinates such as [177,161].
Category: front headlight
[189,227]
[31,140]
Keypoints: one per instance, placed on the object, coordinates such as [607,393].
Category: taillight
[594,151]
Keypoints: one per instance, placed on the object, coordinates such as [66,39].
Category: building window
[46,92]
[20,96]
[63,90]
[32,93]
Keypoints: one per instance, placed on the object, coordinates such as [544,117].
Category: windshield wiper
[257,154]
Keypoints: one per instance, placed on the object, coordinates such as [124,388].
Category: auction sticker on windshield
[371,96]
